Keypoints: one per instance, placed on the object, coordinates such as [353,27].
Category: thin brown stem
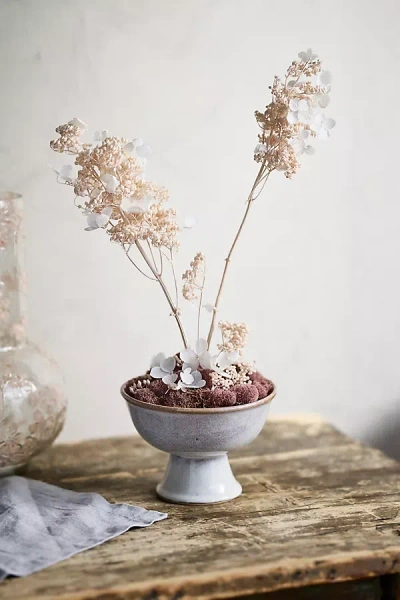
[200,304]
[136,267]
[152,257]
[263,170]
[175,280]
[161,261]
[165,290]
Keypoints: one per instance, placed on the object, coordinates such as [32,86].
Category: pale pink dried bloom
[278,137]
[194,278]
[236,374]
[157,225]
[68,141]
[234,336]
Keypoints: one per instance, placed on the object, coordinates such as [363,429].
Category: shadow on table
[386,433]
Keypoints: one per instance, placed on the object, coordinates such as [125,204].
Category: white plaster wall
[316,275]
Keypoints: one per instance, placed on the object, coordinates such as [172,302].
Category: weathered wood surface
[365,589]
[317,507]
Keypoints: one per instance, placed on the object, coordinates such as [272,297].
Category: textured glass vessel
[32,401]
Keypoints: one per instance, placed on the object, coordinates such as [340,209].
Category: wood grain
[317,508]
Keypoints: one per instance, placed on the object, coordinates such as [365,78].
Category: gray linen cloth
[41,524]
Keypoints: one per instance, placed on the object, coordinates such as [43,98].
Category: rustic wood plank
[365,589]
[317,508]
[390,587]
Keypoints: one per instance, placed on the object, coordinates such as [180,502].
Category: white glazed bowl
[198,440]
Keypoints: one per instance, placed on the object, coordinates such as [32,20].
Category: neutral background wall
[316,276]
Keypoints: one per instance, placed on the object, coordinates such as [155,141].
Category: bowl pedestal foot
[199,478]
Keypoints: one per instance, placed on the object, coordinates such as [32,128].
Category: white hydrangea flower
[300,111]
[197,357]
[163,368]
[324,79]
[308,55]
[130,147]
[110,182]
[323,126]
[137,148]
[322,100]
[226,359]
[190,379]
[139,206]
[220,362]
[95,193]
[189,222]
[144,151]
[260,149]
[209,307]
[100,136]
[301,147]
[65,174]
[78,123]
[98,220]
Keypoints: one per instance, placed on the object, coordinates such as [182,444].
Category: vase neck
[12,273]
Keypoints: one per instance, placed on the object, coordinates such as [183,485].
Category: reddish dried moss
[245,393]
[221,397]
[158,393]
[147,395]
[262,390]
[159,387]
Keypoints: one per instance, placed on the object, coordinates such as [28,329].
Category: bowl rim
[201,411]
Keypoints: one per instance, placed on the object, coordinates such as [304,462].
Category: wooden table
[319,518]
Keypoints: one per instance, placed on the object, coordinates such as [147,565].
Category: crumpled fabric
[42,524]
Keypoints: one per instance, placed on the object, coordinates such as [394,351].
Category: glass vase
[32,400]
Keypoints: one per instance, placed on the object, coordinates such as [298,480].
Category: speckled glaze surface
[198,441]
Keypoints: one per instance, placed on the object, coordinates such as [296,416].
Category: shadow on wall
[386,436]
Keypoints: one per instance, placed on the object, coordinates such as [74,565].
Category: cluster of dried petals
[69,140]
[86,182]
[237,374]
[144,187]
[164,227]
[157,225]
[194,278]
[109,154]
[294,116]
[109,159]
[234,336]
[110,174]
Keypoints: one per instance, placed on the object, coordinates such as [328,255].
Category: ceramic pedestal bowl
[198,441]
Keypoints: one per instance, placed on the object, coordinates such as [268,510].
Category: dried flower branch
[116,197]
[193,287]
[108,178]
[194,278]
[292,117]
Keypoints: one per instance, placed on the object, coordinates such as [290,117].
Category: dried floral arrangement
[113,194]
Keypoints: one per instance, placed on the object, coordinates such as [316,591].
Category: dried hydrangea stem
[165,290]
[171,259]
[200,302]
[138,268]
[249,202]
